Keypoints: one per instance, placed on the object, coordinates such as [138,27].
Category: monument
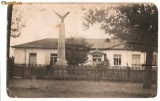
[61,41]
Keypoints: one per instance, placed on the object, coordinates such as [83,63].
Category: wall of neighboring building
[42,55]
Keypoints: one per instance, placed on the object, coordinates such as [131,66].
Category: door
[32,59]
[32,63]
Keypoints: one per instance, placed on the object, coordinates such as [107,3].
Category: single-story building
[44,52]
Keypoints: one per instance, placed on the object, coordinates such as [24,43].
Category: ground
[33,88]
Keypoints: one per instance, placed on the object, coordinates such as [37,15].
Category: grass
[32,88]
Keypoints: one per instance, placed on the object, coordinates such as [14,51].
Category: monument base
[61,63]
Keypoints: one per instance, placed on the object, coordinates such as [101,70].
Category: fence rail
[117,73]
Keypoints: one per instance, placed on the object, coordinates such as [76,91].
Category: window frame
[96,58]
[134,56]
[117,59]
[30,55]
[155,60]
[53,58]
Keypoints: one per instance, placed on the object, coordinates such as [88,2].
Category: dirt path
[78,89]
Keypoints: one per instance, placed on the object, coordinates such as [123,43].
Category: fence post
[128,72]
[23,70]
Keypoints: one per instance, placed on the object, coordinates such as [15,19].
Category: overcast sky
[40,21]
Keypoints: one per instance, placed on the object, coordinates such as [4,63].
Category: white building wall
[19,56]
[126,56]
[43,55]
[89,61]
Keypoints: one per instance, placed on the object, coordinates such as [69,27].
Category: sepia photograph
[82,50]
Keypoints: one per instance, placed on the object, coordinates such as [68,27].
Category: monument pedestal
[61,63]
[61,70]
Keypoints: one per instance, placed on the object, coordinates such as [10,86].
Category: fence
[117,73]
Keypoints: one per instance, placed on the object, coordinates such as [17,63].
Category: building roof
[52,43]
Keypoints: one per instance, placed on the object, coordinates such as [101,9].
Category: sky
[41,21]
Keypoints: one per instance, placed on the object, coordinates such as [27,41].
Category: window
[97,58]
[94,60]
[32,58]
[53,58]
[135,59]
[154,62]
[117,59]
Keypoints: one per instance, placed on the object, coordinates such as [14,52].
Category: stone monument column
[61,60]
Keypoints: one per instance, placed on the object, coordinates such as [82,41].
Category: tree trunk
[148,70]
[9,19]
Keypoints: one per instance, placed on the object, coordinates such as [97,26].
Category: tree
[77,50]
[104,64]
[17,23]
[135,24]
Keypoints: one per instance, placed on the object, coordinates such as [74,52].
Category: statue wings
[62,17]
